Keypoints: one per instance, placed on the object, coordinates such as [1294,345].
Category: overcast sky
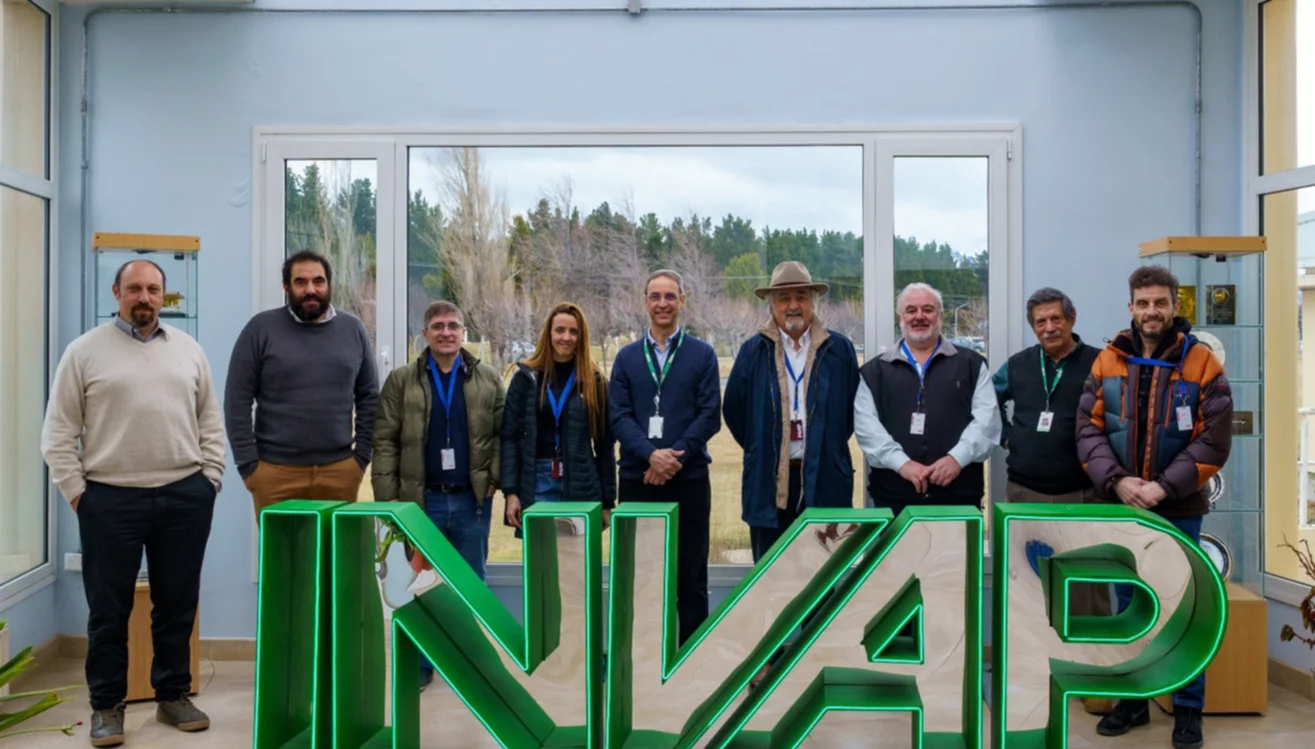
[795,187]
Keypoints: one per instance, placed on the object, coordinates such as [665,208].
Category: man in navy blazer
[789,403]
[664,403]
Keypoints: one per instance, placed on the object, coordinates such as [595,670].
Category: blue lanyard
[1182,386]
[557,407]
[445,398]
[795,380]
[921,370]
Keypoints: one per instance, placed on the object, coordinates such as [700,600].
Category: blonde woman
[556,441]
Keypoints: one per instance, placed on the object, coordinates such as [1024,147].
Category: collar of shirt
[805,341]
[128,328]
[663,349]
[327,316]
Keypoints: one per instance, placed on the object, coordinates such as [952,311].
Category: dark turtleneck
[547,428]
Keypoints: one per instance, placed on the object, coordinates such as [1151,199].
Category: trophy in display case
[176,255]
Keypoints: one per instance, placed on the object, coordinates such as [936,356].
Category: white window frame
[45,574]
[1255,186]
[999,142]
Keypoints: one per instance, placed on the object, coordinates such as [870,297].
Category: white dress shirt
[979,438]
[798,361]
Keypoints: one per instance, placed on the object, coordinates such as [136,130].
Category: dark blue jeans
[1192,695]
[465,524]
[546,488]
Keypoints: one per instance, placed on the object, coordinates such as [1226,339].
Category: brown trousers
[272,483]
[1088,599]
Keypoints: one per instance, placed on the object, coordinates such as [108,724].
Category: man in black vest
[925,414]
[1044,382]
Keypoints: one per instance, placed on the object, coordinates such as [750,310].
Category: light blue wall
[1105,97]
[1292,653]
[32,620]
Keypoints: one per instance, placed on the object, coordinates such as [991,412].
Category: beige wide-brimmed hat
[791,275]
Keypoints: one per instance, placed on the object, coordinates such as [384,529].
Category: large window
[25,194]
[506,225]
[1281,205]
[589,224]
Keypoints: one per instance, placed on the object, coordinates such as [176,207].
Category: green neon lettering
[886,621]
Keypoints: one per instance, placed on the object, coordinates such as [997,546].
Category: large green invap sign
[874,636]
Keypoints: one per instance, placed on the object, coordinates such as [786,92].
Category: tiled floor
[226,695]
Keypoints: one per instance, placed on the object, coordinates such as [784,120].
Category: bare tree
[732,321]
[844,317]
[702,281]
[476,252]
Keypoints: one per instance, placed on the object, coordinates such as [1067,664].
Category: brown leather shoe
[182,714]
[1098,705]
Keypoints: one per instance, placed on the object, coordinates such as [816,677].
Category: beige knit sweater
[131,413]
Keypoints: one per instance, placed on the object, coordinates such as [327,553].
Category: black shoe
[426,678]
[1187,728]
[107,726]
[1127,715]
[181,714]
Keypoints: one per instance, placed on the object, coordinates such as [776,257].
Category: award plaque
[1244,422]
[1214,489]
[1219,553]
[1221,304]
[1187,303]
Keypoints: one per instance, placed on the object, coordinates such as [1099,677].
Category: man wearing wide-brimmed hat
[789,404]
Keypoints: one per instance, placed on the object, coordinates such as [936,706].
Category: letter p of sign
[1054,640]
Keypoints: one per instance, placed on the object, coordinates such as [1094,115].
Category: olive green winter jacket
[401,430]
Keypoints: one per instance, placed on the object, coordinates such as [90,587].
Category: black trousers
[761,539]
[692,538]
[172,523]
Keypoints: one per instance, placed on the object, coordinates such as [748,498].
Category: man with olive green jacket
[436,438]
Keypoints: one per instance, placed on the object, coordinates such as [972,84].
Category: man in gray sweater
[135,441]
[306,367]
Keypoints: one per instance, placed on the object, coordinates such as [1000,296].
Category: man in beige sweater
[135,441]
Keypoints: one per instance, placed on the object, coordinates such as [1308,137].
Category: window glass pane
[23,84]
[329,208]
[1287,83]
[22,382]
[941,235]
[508,232]
[1289,226]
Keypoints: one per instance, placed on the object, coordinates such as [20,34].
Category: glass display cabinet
[175,254]
[1221,293]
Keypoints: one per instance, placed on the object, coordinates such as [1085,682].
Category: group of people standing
[134,435]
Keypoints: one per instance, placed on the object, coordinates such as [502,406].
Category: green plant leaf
[9,720]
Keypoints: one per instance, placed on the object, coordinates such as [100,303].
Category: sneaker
[1187,728]
[1128,714]
[182,714]
[107,726]
[426,678]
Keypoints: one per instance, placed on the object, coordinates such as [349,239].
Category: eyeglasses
[668,297]
[453,327]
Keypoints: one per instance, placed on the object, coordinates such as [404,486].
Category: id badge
[557,468]
[449,459]
[655,427]
[919,425]
[1043,424]
[1184,418]
[796,430]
